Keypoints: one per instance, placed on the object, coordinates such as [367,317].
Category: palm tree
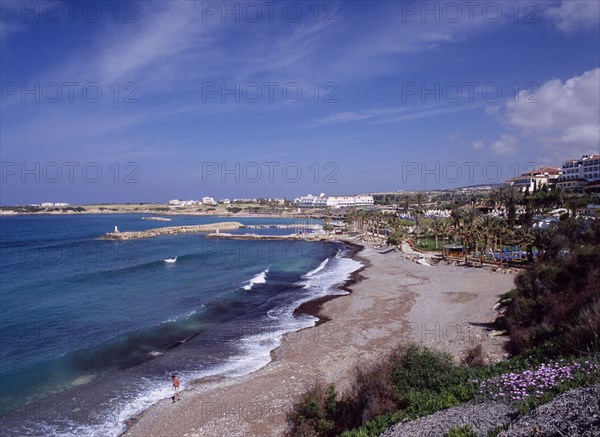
[572,229]
[470,216]
[542,239]
[419,202]
[351,217]
[507,199]
[327,224]
[445,228]
[456,215]
[526,238]
[486,225]
[466,233]
[362,220]
[396,237]
[501,231]
[436,228]
[394,224]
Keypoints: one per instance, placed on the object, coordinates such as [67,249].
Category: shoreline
[391,301]
[285,215]
[312,307]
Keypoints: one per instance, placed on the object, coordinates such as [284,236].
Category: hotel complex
[576,174]
[548,176]
[323,201]
[580,173]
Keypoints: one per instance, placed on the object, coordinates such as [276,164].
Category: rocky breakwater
[309,237]
[172,230]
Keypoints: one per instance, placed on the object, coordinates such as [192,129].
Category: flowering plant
[529,384]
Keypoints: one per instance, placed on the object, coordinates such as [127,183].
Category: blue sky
[150,101]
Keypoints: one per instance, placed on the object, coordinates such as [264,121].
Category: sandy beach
[393,300]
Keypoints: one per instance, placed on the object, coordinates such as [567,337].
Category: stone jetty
[172,230]
[309,237]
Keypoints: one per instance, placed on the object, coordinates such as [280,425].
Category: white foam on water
[318,269]
[178,318]
[170,260]
[260,278]
[325,281]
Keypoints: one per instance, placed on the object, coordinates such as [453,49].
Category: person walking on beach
[176,384]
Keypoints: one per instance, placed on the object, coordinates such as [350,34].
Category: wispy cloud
[575,15]
[390,115]
[152,50]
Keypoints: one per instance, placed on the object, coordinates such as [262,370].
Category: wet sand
[393,300]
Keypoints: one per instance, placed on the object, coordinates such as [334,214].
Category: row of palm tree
[474,230]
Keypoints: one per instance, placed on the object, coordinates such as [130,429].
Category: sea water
[91,329]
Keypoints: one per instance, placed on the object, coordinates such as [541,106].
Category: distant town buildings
[204,201]
[52,205]
[244,200]
[177,202]
[310,201]
[323,201]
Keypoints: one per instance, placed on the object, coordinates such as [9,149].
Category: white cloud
[565,113]
[582,134]
[573,15]
[506,145]
[557,117]
[478,144]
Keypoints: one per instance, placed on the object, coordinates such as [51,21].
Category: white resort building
[579,173]
[323,201]
[535,179]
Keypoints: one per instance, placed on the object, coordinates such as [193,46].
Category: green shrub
[556,307]
[315,413]
[416,368]
[372,394]
[412,382]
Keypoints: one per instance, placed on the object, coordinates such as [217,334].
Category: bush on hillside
[556,306]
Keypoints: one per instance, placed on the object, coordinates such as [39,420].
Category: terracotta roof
[540,171]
